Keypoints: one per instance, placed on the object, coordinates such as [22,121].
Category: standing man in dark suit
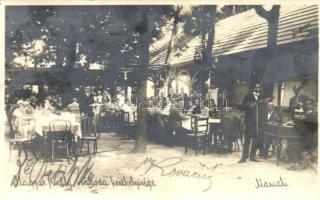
[255,116]
[85,102]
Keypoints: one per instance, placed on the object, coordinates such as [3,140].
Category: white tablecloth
[43,120]
[187,122]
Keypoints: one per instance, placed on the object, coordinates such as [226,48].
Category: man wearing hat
[86,100]
[255,116]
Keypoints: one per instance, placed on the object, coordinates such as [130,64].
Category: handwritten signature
[281,182]
[165,168]
[36,174]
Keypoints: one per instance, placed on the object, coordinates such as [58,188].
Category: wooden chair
[60,136]
[198,137]
[89,135]
[236,131]
[129,126]
[96,123]
[103,123]
[24,134]
[227,130]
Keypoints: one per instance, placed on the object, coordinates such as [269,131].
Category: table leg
[74,146]
[45,148]
[210,145]
[278,146]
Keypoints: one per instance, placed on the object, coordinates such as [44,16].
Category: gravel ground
[162,172]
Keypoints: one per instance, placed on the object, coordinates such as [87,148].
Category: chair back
[199,125]
[59,125]
[60,130]
[87,126]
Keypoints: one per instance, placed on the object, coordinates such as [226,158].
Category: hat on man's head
[27,101]
[297,88]
[257,88]
[20,102]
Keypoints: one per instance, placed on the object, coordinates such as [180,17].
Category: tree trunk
[207,42]
[72,55]
[211,31]
[141,135]
[145,39]
[114,63]
[272,18]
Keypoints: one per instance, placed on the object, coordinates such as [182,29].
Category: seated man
[74,107]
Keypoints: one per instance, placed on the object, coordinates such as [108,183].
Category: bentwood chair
[24,136]
[89,135]
[198,137]
[60,138]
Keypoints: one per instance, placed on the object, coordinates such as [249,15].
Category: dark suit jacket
[85,102]
[255,114]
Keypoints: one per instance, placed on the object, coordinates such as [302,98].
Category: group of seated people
[302,111]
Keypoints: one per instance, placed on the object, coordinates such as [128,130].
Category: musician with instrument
[255,108]
[296,102]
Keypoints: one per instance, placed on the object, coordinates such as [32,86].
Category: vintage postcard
[159,100]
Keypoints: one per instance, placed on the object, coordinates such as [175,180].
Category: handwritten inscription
[281,182]
[37,174]
[132,182]
[168,168]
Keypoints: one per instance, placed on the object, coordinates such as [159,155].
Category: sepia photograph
[172,101]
